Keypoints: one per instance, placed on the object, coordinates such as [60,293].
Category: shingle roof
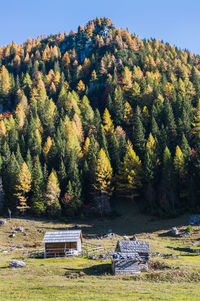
[131,247]
[62,236]
[118,256]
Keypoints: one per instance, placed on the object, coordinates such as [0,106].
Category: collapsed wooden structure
[62,243]
[130,256]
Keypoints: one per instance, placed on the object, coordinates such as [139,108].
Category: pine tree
[62,175]
[37,190]
[196,124]
[13,137]
[122,147]
[167,167]
[136,92]
[154,127]
[118,106]
[10,179]
[109,103]
[149,165]
[29,161]
[18,155]
[97,120]
[75,182]
[114,151]
[167,185]
[139,136]
[103,142]
[169,117]
[185,148]
[87,113]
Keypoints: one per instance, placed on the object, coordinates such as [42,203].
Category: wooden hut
[130,257]
[62,243]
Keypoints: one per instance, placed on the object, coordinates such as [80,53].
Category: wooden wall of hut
[59,249]
[125,267]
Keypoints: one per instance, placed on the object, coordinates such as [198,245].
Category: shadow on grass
[182,249]
[130,222]
[94,270]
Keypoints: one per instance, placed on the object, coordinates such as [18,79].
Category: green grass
[84,279]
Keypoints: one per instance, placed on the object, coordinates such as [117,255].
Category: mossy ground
[84,279]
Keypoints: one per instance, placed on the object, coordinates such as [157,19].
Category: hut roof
[62,236]
[120,256]
[132,247]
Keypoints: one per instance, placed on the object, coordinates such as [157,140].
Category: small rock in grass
[143,267]
[17,264]
[12,235]
[21,229]
[2,222]
[174,231]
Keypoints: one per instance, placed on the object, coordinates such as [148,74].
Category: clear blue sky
[174,21]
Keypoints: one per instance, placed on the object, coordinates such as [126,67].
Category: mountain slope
[95,115]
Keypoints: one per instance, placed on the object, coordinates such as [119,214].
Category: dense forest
[96,115]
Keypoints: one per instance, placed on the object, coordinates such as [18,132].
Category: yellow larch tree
[103,173]
[47,147]
[2,129]
[23,187]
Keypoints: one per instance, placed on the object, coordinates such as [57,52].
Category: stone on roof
[62,236]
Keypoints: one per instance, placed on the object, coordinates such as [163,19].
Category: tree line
[96,115]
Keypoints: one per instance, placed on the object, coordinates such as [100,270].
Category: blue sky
[176,22]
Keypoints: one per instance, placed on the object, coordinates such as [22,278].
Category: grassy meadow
[86,279]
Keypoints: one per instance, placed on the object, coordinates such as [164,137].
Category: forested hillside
[95,115]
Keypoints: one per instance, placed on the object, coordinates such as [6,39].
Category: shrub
[189,229]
